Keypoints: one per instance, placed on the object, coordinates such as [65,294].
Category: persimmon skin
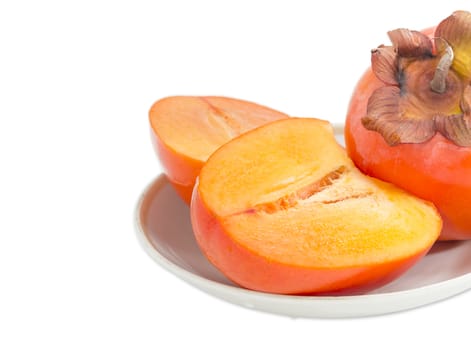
[253,271]
[436,170]
[179,169]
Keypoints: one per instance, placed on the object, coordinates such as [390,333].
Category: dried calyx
[426,84]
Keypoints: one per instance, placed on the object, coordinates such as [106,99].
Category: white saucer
[164,230]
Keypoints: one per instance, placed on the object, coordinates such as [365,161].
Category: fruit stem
[438,83]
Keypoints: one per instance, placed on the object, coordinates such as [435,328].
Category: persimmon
[283,209]
[187,129]
[409,118]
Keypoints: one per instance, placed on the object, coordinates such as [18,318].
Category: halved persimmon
[187,129]
[283,209]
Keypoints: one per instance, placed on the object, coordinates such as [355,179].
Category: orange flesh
[186,130]
[287,195]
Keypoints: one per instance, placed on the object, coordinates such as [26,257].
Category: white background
[76,82]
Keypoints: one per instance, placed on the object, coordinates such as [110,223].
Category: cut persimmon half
[186,130]
[283,209]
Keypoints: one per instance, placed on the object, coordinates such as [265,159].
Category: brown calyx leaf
[456,31]
[410,43]
[384,63]
[397,119]
[466,100]
[457,127]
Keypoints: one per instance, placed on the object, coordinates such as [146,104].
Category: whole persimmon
[185,131]
[409,118]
